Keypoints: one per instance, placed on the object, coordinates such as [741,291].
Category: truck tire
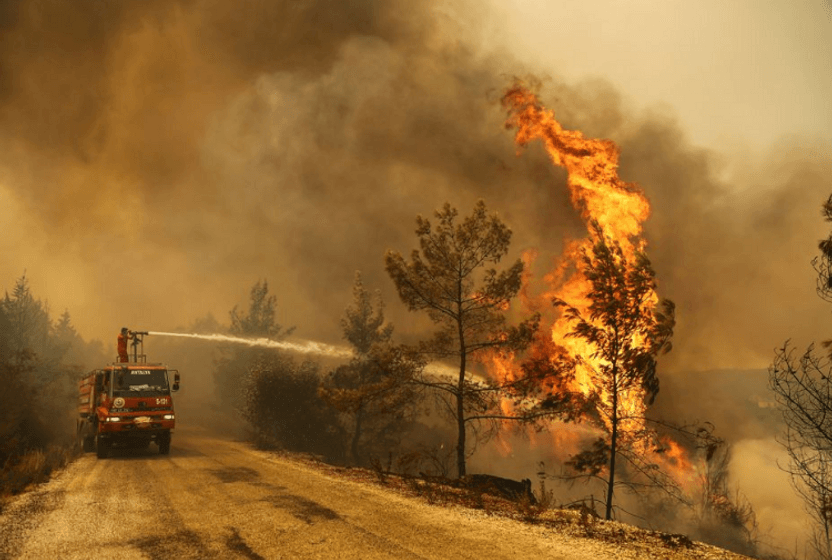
[79,437]
[102,447]
[164,444]
[85,442]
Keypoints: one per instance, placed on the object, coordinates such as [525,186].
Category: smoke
[159,157]
[207,146]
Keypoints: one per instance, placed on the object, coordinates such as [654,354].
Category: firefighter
[122,345]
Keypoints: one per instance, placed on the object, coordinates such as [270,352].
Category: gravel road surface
[217,498]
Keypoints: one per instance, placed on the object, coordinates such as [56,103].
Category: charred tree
[802,385]
[725,517]
[451,281]
[625,333]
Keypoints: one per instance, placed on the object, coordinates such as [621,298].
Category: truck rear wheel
[85,441]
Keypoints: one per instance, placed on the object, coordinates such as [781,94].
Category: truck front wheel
[164,444]
[102,447]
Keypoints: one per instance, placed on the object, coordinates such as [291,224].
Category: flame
[675,460]
[620,209]
[592,166]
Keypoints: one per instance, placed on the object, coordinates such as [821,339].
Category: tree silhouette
[374,388]
[448,279]
[234,365]
[802,386]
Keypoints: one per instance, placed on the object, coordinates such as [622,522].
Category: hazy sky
[744,72]
[158,158]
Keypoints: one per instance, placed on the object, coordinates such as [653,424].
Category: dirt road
[217,498]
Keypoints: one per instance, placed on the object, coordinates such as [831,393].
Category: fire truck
[127,404]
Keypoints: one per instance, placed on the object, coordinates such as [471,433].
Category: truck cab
[127,405]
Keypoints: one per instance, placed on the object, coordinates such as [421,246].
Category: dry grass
[33,467]
[578,521]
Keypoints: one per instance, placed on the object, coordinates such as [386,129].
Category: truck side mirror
[175,381]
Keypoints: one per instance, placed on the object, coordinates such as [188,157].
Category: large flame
[620,209]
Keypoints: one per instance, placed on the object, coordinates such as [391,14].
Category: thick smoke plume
[159,157]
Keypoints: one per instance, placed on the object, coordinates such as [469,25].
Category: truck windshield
[140,382]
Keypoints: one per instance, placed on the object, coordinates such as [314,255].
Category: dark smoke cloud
[205,141]
[216,144]
[208,145]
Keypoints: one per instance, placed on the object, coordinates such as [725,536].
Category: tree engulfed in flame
[612,210]
[597,193]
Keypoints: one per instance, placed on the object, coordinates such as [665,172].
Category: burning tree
[624,333]
[374,388]
[612,323]
[448,280]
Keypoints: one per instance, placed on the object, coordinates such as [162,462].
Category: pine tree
[450,281]
[626,334]
[232,373]
[374,388]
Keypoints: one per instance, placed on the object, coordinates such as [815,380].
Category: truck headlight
[113,419]
[168,417]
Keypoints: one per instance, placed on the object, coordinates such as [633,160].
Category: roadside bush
[285,410]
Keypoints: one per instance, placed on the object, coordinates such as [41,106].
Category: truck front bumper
[138,426]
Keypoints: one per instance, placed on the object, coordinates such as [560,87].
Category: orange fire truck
[127,404]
